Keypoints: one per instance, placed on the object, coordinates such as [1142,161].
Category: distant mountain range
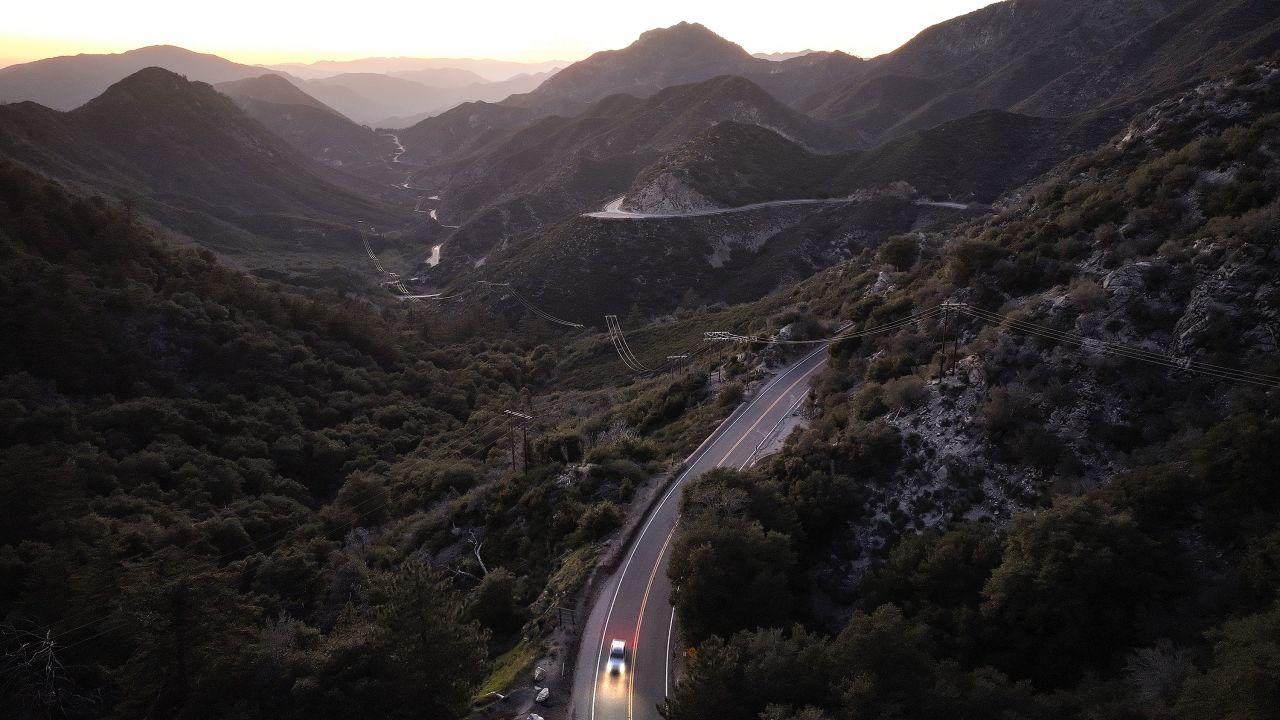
[681,54]
[681,119]
[414,90]
[490,70]
[969,109]
[199,165]
[557,166]
[66,83]
[311,126]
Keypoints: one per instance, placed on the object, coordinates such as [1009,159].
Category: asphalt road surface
[614,211]
[633,606]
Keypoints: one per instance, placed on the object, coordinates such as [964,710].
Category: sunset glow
[271,32]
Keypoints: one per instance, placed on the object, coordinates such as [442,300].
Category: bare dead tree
[33,677]
[477,543]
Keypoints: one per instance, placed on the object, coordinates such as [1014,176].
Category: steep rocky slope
[1162,240]
[1053,498]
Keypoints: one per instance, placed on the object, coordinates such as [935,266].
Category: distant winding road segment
[614,211]
[634,605]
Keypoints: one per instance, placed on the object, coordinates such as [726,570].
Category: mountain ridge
[200,166]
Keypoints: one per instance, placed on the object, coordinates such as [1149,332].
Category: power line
[499,422]
[620,343]
[1133,353]
[721,336]
[1030,328]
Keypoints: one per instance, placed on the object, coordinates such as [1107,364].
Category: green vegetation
[1143,592]
[225,497]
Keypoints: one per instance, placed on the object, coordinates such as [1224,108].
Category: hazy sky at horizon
[263,31]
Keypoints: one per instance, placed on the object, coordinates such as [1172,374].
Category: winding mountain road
[614,211]
[633,604]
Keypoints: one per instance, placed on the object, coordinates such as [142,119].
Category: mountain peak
[150,78]
[155,93]
[269,88]
[680,54]
[683,34]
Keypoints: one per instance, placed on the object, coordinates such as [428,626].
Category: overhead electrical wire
[620,342]
[500,422]
[1030,328]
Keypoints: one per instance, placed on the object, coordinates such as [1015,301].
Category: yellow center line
[765,414]
[653,573]
[644,602]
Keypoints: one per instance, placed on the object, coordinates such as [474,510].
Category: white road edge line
[635,544]
[666,681]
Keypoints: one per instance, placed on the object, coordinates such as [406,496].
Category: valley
[940,382]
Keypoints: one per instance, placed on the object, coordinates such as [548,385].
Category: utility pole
[942,355]
[955,348]
[524,418]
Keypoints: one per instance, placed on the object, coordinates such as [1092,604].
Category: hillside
[686,53]
[681,54]
[440,77]
[972,159]
[1052,501]
[66,83]
[193,161]
[175,433]
[730,165]
[489,92]
[369,97]
[490,70]
[978,157]
[315,129]
[569,165]
[654,267]
[1041,58]
[272,89]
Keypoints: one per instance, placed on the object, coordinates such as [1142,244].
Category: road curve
[633,604]
[614,211]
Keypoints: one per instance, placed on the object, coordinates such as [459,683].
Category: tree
[728,575]
[937,578]
[412,655]
[743,676]
[188,632]
[1075,584]
[438,657]
[1243,683]
[885,662]
[493,603]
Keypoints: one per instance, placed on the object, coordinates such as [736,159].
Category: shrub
[731,394]
[888,367]
[599,520]
[900,251]
[904,392]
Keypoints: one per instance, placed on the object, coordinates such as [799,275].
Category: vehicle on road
[617,657]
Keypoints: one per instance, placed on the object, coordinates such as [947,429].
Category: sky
[272,31]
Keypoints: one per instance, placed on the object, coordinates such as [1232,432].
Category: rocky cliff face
[1166,240]
[667,193]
